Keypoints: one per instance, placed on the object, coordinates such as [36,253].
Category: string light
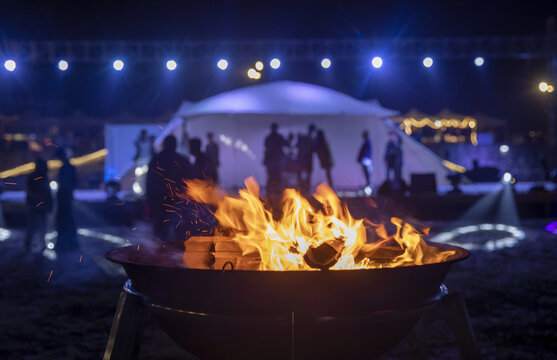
[428,62]
[275,63]
[171,65]
[63,65]
[10,65]
[222,64]
[118,65]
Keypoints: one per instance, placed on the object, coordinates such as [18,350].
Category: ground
[511,296]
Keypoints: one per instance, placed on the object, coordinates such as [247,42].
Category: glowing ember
[306,236]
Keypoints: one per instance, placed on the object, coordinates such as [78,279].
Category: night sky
[501,88]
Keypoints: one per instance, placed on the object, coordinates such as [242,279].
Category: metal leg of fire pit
[461,326]
[459,321]
[301,328]
[127,328]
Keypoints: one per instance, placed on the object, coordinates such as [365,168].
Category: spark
[49,276]
[10,183]
[138,247]
[134,229]
[39,204]
[121,203]
[81,257]
[37,178]
[161,127]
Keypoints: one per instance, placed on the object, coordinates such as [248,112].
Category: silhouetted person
[274,159]
[306,147]
[212,159]
[39,204]
[184,148]
[167,170]
[152,139]
[324,154]
[65,223]
[393,159]
[143,149]
[365,158]
[200,164]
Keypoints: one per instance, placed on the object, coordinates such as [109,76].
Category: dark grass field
[511,296]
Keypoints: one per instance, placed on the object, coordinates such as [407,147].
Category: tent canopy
[241,120]
[284,98]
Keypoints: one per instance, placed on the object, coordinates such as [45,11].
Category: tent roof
[284,98]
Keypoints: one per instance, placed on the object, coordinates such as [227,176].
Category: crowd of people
[289,156]
[168,169]
[289,162]
[40,203]
[294,155]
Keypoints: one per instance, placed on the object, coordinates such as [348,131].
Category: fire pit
[218,298]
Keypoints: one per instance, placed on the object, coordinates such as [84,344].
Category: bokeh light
[428,62]
[326,63]
[377,62]
[63,65]
[259,65]
[171,65]
[275,63]
[10,65]
[118,65]
[479,61]
[222,64]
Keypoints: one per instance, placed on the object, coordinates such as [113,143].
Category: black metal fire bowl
[253,314]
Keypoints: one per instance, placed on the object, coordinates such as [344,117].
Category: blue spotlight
[171,65]
[479,61]
[63,65]
[118,65]
[10,65]
[222,64]
[377,62]
[275,63]
[428,62]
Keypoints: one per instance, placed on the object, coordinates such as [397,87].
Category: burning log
[324,255]
[218,253]
[305,236]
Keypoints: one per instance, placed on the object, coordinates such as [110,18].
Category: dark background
[501,88]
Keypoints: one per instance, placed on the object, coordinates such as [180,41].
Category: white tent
[241,120]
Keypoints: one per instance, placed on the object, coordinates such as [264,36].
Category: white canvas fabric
[241,120]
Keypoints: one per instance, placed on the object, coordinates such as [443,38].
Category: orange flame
[302,228]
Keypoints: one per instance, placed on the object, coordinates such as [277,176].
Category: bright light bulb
[543,86]
[63,65]
[222,64]
[507,177]
[428,62]
[10,65]
[171,65]
[377,62]
[252,73]
[137,189]
[259,65]
[550,88]
[118,65]
[53,185]
[325,63]
[504,149]
[275,63]
[479,61]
